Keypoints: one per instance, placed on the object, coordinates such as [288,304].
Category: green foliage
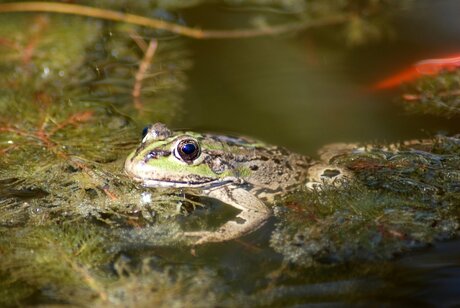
[141,286]
[40,51]
[73,227]
[403,197]
[67,121]
[113,62]
[438,94]
[61,259]
[364,20]
[65,134]
[66,264]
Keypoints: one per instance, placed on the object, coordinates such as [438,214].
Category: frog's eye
[187,150]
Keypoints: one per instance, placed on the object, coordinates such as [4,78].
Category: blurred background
[312,88]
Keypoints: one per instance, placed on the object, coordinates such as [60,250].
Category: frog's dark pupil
[188,148]
[145,131]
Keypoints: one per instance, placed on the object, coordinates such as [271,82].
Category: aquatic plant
[74,95]
[437,94]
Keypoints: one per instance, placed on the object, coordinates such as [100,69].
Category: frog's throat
[182,184]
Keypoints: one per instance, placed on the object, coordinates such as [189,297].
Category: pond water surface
[302,92]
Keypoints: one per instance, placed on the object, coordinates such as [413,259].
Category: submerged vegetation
[74,95]
[438,94]
[404,196]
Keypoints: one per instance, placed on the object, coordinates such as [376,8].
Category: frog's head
[175,159]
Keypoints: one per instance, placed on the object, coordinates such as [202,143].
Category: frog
[241,172]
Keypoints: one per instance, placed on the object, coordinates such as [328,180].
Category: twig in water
[140,74]
[75,9]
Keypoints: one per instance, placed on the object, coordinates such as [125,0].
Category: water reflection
[304,91]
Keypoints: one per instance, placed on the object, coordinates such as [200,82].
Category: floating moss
[66,121]
[401,197]
[61,260]
[68,265]
[73,225]
[436,94]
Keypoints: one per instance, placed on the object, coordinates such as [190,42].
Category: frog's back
[275,170]
[269,170]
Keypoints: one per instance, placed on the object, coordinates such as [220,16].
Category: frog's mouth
[153,177]
[181,184]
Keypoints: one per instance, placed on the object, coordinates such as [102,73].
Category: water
[301,92]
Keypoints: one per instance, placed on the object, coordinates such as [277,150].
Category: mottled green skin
[238,171]
[263,169]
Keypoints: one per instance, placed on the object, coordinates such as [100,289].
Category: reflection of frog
[238,171]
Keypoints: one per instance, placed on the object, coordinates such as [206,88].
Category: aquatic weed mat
[437,94]
[68,215]
[68,117]
[401,197]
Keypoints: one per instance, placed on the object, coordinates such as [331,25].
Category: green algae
[67,122]
[62,259]
[435,95]
[68,266]
[58,132]
[402,197]
[72,223]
